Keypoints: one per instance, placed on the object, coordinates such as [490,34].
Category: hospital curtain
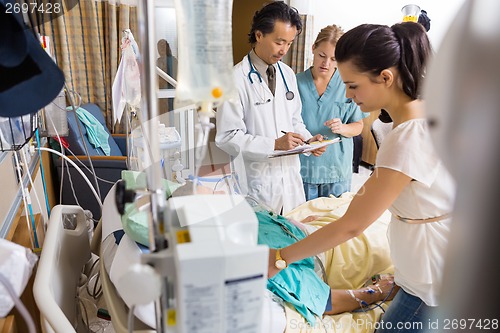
[300,51]
[86,41]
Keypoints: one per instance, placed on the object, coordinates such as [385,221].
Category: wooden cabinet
[369,153]
[20,234]
[243,12]
[8,325]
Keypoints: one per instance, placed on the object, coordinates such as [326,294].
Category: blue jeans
[407,313]
[314,191]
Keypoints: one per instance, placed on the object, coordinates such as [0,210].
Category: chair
[66,250]
[379,130]
[105,167]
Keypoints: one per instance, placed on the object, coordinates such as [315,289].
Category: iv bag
[127,83]
[205,52]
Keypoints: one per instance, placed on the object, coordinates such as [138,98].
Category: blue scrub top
[335,165]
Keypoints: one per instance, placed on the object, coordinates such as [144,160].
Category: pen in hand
[304,142]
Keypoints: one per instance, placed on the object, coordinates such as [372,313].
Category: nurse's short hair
[264,19]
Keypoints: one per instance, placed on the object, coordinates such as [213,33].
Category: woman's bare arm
[378,193]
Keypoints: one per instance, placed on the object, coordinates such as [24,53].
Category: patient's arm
[310,218]
[342,300]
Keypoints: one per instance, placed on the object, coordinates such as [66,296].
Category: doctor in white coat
[261,121]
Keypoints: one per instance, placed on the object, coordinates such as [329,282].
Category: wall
[243,12]
[350,13]
[11,204]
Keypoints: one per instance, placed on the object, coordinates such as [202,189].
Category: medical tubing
[202,142]
[88,169]
[34,245]
[130,319]
[81,135]
[63,163]
[376,304]
[25,161]
[77,169]
[44,183]
[147,143]
[70,179]
[18,304]
[128,131]
[32,218]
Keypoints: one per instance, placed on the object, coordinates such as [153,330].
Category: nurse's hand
[272,270]
[335,125]
[288,141]
[319,151]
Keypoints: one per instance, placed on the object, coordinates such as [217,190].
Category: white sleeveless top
[418,251]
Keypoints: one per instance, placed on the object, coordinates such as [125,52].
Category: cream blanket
[348,266]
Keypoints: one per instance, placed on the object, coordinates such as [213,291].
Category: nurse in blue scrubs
[327,111]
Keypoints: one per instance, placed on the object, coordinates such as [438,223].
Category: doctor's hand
[335,125]
[288,141]
[319,151]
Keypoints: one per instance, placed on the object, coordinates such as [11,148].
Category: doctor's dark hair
[373,48]
[264,19]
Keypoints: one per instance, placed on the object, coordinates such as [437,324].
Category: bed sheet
[348,266]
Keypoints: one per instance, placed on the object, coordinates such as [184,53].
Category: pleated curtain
[86,43]
[300,54]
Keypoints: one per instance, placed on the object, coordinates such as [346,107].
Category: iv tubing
[204,127]
[27,204]
[18,303]
[43,173]
[74,108]
[78,169]
[30,178]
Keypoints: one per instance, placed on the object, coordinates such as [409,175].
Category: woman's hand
[319,151]
[272,270]
[335,125]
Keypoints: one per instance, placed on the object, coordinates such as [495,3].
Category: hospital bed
[66,250]
[348,266]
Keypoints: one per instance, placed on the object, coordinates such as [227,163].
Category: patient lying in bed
[343,289]
[300,285]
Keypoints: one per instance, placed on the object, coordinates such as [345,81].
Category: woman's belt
[421,221]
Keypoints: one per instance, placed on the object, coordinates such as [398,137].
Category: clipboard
[304,148]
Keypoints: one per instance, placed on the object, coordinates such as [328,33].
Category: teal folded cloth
[298,284]
[135,222]
[96,133]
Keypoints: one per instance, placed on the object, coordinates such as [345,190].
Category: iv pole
[147,63]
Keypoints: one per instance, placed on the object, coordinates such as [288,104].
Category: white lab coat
[247,131]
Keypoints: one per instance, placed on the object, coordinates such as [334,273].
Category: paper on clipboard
[304,148]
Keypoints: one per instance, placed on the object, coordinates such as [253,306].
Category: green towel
[97,135]
[299,284]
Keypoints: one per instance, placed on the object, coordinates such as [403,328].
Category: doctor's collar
[259,64]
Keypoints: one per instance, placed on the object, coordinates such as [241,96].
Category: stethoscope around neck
[289,94]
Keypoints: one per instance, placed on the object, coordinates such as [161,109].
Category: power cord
[78,169]
[18,304]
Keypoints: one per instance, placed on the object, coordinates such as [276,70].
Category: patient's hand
[388,287]
[310,218]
